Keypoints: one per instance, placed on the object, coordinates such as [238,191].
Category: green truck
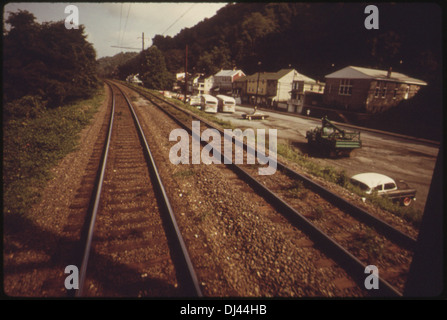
[332,140]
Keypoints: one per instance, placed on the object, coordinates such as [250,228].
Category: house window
[384,91]
[345,87]
[395,93]
[407,90]
[377,91]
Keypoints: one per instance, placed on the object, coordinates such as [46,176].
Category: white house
[223,80]
[202,84]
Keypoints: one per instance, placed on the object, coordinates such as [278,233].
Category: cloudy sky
[122,24]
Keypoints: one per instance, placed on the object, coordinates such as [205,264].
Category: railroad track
[338,215]
[131,244]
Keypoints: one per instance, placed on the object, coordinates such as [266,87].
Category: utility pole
[186,72]
[257,86]
[143,42]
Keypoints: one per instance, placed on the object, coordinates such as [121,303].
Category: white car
[375,182]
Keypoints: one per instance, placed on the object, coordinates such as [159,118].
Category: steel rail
[355,267]
[190,277]
[98,184]
[360,214]
[191,281]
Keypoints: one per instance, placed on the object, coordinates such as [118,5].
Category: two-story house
[223,80]
[368,90]
[303,86]
[202,85]
[270,89]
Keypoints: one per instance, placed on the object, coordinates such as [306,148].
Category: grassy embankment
[33,144]
[328,173]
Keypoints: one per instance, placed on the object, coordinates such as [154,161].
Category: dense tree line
[314,38]
[45,65]
[108,66]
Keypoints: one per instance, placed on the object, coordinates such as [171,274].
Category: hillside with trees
[45,64]
[314,38]
[108,66]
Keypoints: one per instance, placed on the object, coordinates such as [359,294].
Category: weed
[373,246]
[318,212]
[297,190]
[183,173]
[340,178]
[33,145]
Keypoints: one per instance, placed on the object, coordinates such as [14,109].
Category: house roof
[276,76]
[227,73]
[352,72]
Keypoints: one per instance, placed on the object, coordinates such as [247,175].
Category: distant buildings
[134,78]
[202,84]
[284,89]
[197,84]
[368,90]
[224,79]
[354,89]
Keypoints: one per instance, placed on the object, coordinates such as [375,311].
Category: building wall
[226,82]
[353,101]
[371,96]
[383,95]
[252,86]
[284,89]
[300,95]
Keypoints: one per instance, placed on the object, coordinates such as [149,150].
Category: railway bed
[131,245]
[369,239]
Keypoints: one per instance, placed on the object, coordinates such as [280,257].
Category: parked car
[371,182]
[255,115]
[195,101]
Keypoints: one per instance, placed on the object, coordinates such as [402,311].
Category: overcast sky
[122,24]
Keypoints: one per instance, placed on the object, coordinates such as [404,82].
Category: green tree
[46,61]
[257,26]
[154,73]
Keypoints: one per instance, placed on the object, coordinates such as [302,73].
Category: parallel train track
[317,231]
[130,217]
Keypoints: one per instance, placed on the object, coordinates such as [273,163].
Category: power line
[178,18]
[125,24]
[119,33]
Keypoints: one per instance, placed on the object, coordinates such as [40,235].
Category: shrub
[28,107]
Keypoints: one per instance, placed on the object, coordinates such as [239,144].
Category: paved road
[399,158]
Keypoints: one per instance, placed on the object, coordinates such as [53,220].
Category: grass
[183,173]
[32,146]
[340,178]
[297,190]
[207,116]
[371,244]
